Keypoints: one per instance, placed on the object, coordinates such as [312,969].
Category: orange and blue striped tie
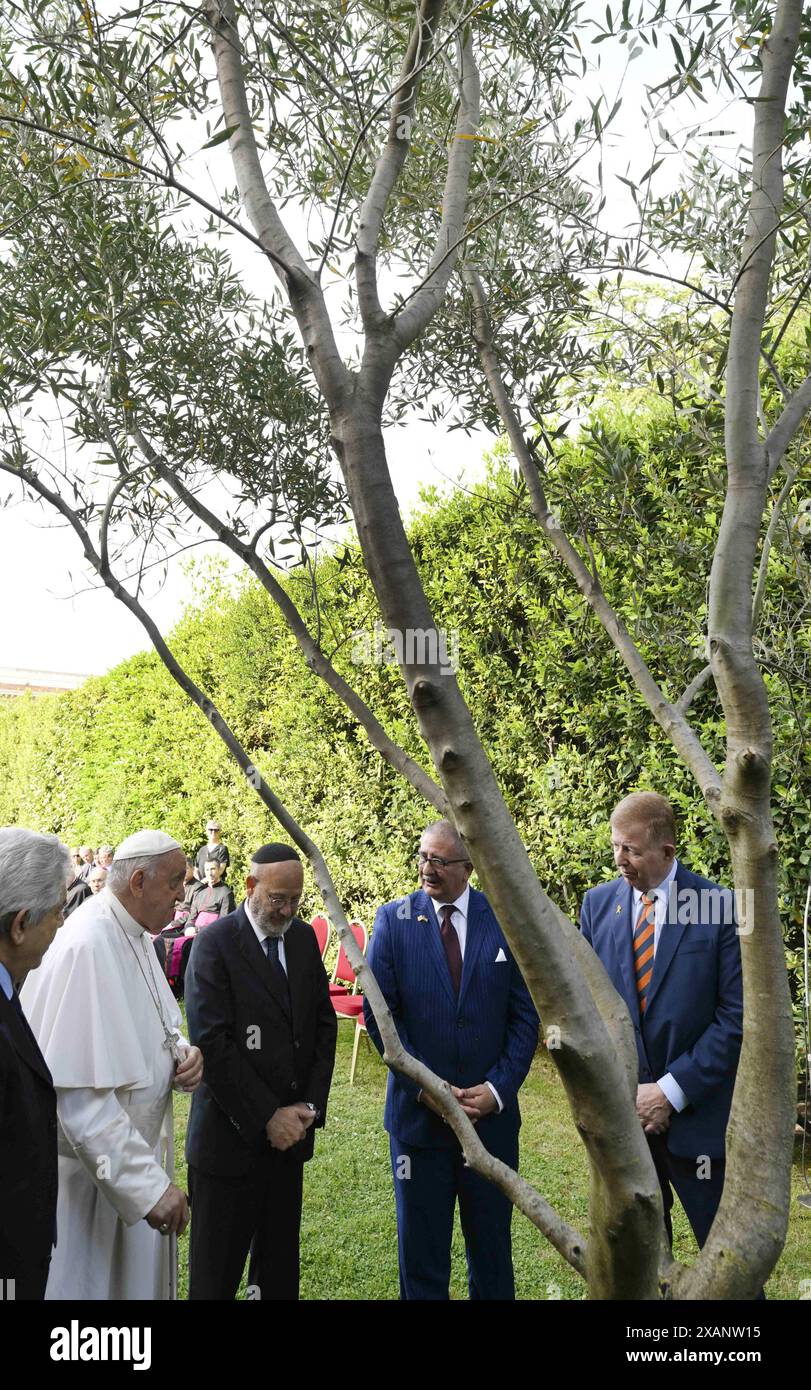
[644,937]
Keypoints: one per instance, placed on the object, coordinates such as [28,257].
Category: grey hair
[105,849]
[448,830]
[121,871]
[33,872]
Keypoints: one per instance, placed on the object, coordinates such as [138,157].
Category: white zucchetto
[145,842]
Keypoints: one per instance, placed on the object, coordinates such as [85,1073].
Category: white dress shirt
[459,917]
[262,936]
[459,923]
[660,893]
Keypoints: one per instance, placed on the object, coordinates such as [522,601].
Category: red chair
[344,981]
[346,1002]
[350,1006]
[320,926]
[360,1027]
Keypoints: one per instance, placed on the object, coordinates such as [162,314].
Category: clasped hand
[476,1101]
[653,1108]
[189,1070]
[289,1124]
[170,1213]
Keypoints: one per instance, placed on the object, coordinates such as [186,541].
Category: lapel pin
[619,909]
[421,918]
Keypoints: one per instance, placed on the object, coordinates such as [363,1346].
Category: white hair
[33,872]
[104,849]
[121,871]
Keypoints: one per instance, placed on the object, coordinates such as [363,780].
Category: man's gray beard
[269,928]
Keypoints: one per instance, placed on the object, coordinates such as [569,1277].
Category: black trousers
[698,1195]
[259,1213]
[22,1276]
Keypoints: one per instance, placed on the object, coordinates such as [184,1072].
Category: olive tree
[390,161]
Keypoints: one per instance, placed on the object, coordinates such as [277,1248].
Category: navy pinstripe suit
[488,1034]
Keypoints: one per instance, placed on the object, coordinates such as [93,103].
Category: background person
[96,879]
[212,849]
[33,869]
[87,860]
[78,891]
[211,896]
[674,957]
[257,1001]
[110,1031]
[460,1005]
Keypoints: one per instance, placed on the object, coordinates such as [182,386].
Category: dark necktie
[453,950]
[272,953]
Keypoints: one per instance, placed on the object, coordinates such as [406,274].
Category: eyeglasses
[436,861]
[279,899]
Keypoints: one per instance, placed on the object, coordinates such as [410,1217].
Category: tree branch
[318,662]
[391,160]
[788,422]
[565,1239]
[666,714]
[375,112]
[768,541]
[409,322]
[168,180]
[696,685]
[750,1225]
[306,298]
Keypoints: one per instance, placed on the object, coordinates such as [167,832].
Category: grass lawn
[349,1236]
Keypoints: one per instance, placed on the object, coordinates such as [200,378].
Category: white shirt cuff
[496,1094]
[673,1091]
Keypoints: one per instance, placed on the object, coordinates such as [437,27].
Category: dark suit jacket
[693,1023]
[489,1034]
[261,1048]
[28,1162]
[78,892]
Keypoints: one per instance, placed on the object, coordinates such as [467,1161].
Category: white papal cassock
[100,1007]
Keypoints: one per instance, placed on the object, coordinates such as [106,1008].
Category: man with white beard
[257,999]
[109,1028]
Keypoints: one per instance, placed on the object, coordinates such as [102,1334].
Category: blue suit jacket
[693,1023]
[489,1034]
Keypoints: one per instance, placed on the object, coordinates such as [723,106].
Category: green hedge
[564,728]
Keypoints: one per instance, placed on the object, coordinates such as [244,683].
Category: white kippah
[143,843]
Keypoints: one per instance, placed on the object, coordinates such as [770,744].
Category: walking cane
[172,1267]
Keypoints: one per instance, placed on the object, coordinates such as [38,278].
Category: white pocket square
[501,956]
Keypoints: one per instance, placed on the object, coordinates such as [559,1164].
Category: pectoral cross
[171,1043]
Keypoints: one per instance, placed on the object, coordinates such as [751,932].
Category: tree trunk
[626,1209]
